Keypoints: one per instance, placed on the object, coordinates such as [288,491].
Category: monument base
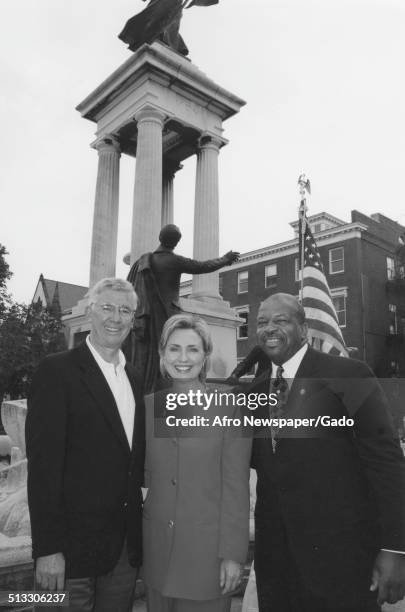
[18,576]
[223,323]
[16,566]
[76,324]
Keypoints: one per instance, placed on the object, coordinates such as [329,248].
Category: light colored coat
[197,508]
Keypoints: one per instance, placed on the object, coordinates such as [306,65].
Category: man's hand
[229,575]
[50,572]
[389,577]
[231,257]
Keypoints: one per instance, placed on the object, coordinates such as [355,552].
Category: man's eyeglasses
[109,309]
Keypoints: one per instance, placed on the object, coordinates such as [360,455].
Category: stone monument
[16,567]
[161,109]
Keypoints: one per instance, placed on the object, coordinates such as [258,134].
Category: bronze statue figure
[156,279]
[159,20]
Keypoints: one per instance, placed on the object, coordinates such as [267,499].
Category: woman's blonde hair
[186,321]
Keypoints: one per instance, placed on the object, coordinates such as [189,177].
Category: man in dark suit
[156,279]
[85,449]
[330,508]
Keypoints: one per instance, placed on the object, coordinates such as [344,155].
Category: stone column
[169,170]
[206,216]
[147,211]
[105,220]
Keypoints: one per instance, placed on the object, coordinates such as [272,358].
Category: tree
[27,335]
[14,351]
[5,275]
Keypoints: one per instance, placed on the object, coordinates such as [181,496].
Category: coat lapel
[302,386]
[93,379]
[139,421]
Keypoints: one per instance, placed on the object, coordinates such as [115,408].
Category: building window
[243,281]
[242,331]
[220,284]
[394,368]
[336,260]
[297,273]
[339,301]
[339,304]
[390,268]
[393,324]
[270,276]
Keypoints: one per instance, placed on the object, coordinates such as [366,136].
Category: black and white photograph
[202,306]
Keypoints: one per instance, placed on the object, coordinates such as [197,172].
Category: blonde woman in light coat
[196,513]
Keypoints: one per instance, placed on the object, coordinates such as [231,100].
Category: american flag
[323,327]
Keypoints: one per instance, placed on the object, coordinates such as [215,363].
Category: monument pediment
[158,77]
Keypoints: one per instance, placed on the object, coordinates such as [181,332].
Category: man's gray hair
[115,284]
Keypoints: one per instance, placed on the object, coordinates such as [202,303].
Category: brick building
[366,282]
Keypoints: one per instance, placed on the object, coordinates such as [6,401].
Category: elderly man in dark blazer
[330,511]
[85,448]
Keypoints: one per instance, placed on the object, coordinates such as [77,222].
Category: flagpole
[304,186]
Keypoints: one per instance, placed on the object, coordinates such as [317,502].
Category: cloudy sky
[323,81]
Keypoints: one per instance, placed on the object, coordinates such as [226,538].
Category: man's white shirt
[290,367]
[120,386]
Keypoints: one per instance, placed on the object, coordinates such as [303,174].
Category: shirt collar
[101,361]
[291,366]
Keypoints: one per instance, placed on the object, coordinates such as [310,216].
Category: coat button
[174,481]
[171,524]
[125,504]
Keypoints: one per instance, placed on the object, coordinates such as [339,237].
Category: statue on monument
[156,279]
[159,20]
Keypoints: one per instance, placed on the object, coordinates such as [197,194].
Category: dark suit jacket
[83,480]
[338,492]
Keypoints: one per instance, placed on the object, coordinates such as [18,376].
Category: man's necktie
[279,386]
